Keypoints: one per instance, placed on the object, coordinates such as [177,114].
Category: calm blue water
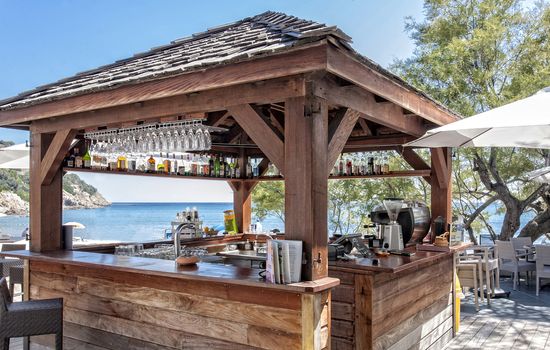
[131,221]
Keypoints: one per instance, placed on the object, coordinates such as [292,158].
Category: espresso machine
[392,233]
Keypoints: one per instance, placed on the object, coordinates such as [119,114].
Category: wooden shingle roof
[263,34]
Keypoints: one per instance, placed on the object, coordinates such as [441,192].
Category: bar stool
[467,273]
[16,277]
[27,318]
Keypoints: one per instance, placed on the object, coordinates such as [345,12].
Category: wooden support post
[242,196]
[306,180]
[441,184]
[45,198]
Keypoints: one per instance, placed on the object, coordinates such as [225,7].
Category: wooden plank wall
[119,310]
[366,309]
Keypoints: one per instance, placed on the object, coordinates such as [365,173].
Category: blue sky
[43,41]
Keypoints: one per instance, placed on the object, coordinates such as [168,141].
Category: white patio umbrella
[540,175]
[524,123]
[15,157]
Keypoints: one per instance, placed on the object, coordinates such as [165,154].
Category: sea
[141,222]
[132,222]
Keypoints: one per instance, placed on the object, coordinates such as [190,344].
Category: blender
[393,235]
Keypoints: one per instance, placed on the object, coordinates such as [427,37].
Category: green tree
[474,55]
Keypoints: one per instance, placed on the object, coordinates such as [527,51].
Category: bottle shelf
[392,174]
[158,174]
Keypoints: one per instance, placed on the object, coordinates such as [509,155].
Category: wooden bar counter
[401,303]
[116,302]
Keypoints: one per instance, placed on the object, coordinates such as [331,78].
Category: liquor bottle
[377,166]
[217,167]
[341,166]
[232,165]
[211,166]
[349,167]
[70,161]
[122,163]
[385,166]
[363,168]
[78,163]
[167,166]
[222,167]
[256,169]
[87,159]
[237,170]
[151,165]
[371,166]
[174,169]
[249,173]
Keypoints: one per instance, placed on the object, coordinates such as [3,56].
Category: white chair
[509,260]
[543,263]
[523,245]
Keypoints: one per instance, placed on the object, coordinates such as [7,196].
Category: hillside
[14,191]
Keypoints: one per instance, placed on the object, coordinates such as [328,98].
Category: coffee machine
[392,232]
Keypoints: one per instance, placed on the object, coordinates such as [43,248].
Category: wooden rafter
[53,158]
[387,114]
[255,127]
[206,101]
[384,141]
[415,161]
[338,135]
[366,129]
[345,66]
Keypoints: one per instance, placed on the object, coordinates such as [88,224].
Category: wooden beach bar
[287,90]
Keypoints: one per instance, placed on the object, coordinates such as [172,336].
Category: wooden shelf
[404,173]
[401,173]
[171,176]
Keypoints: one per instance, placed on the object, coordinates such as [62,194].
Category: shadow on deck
[520,322]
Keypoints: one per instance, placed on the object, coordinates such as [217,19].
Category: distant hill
[14,191]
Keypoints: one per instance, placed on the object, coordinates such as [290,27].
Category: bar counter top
[202,271]
[395,263]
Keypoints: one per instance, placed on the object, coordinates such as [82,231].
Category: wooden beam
[45,202]
[365,127]
[356,98]
[218,119]
[345,66]
[300,60]
[441,193]
[53,158]
[441,165]
[306,146]
[415,161]
[206,101]
[339,136]
[384,141]
[255,127]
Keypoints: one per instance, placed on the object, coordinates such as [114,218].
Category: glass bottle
[151,165]
[70,161]
[217,167]
[341,170]
[349,167]
[249,173]
[122,163]
[385,166]
[256,169]
[77,158]
[211,166]
[370,166]
[87,159]
[237,169]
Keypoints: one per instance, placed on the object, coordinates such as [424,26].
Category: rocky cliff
[77,194]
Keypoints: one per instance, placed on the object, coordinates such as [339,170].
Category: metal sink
[243,254]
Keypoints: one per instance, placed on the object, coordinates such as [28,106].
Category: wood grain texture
[306,181]
[58,148]
[339,136]
[408,308]
[441,193]
[344,65]
[415,161]
[258,130]
[45,202]
[363,101]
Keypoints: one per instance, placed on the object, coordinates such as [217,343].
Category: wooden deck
[521,322]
